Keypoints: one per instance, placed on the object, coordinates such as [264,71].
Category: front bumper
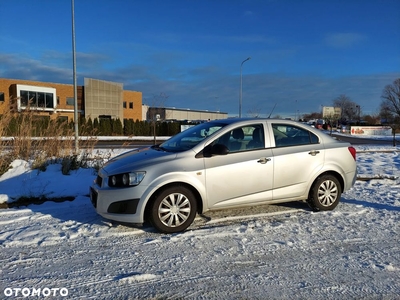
[118,204]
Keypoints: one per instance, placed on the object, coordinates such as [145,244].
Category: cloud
[344,40]
[209,87]
[20,67]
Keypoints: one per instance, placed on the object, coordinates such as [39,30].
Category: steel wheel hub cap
[174,210]
[327,193]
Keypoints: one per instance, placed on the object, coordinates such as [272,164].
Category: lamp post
[75,84]
[241,84]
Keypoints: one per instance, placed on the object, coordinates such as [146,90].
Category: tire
[325,193]
[173,209]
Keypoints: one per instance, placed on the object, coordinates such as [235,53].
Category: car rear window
[290,135]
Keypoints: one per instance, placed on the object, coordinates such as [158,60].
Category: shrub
[40,140]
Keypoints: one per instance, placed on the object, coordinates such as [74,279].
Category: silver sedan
[224,164]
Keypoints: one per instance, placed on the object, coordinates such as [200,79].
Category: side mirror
[217,149]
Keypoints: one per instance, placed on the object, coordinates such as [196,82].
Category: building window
[49,100]
[58,100]
[70,101]
[37,99]
[1,97]
[24,98]
[124,104]
[131,105]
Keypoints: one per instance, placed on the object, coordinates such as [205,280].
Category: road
[364,141]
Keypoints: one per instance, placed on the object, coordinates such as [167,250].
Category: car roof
[322,135]
[238,120]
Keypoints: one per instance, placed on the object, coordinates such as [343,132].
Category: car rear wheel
[325,193]
[173,209]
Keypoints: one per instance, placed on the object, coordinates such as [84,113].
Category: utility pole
[75,86]
[241,85]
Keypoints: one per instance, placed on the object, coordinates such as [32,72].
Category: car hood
[136,160]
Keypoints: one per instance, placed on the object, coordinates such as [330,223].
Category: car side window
[289,135]
[243,138]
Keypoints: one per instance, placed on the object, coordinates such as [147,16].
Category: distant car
[224,164]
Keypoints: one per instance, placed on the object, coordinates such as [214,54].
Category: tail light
[353,152]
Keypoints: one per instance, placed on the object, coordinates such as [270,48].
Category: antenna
[272,110]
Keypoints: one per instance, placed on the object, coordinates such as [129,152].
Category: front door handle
[263,160]
[313,152]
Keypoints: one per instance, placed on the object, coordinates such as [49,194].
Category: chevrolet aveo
[224,164]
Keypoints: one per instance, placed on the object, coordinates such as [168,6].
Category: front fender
[194,179]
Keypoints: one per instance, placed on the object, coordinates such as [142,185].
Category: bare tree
[386,114]
[390,106]
[391,97]
[350,110]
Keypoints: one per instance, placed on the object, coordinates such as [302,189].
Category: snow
[266,252]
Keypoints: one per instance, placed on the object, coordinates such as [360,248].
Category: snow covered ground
[65,250]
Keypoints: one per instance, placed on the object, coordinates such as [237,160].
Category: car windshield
[190,137]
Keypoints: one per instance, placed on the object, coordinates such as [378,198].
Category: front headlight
[126,179]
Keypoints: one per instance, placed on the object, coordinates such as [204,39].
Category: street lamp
[241,84]
[75,84]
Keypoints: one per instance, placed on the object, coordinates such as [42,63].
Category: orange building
[96,99]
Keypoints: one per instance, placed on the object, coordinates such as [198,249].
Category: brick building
[96,99]
[180,114]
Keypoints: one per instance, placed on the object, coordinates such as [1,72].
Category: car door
[244,175]
[298,156]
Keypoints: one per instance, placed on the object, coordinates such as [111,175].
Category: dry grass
[24,136]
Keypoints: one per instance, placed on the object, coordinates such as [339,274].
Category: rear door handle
[263,160]
[313,152]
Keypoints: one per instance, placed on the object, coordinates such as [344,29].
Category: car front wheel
[325,193]
[173,209]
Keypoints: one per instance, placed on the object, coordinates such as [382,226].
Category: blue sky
[304,53]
